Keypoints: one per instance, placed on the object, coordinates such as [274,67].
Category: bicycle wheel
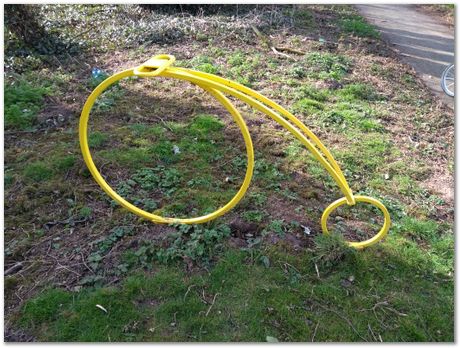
[448,80]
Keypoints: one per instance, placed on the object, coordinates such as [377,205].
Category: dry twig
[212,304]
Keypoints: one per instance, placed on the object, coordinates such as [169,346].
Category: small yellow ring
[360,245]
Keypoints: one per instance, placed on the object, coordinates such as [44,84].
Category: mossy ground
[263,270]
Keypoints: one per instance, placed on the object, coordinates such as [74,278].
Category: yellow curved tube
[161,65]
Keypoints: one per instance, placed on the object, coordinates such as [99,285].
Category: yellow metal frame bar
[161,65]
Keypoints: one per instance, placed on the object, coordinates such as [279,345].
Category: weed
[331,249]
[267,173]
[257,198]
[85,212]
[165,179]
[327,65]
[109,98]
[345,117]
[358,91]
[205,64]
[298,71]
[277,227]
[197,243]
[253,215]
[310,92]
[243,69]
[103,245]
[208,68]
[237,59]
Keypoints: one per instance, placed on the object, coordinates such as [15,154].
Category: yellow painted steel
[161,65]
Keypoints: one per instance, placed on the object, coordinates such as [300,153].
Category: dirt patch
[442,183]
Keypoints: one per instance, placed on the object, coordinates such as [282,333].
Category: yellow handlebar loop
[161,65]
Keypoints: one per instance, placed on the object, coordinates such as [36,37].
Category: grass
[359,27]
[287,300]
[262,272]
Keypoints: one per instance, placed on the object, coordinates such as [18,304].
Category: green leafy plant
[327,65]
[197,243]
[104,244]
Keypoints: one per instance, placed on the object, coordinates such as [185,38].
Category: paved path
[423,41]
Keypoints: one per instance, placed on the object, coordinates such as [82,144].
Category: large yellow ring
[83,130]
[360,245]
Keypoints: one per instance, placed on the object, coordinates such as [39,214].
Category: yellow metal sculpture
[161,65]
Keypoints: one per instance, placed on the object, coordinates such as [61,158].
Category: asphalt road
[421,39]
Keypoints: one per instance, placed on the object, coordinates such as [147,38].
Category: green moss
[65,163]
[22,103]
[97,139]
[45,307]
[38,171]
[203,124]
[130,157]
